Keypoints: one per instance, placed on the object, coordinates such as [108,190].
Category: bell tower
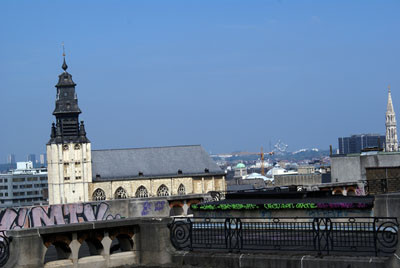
[68,150]
[391,126]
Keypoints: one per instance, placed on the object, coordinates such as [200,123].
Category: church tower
[391,129]
[68,150]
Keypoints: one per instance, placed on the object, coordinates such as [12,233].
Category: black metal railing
[323,235]
[4,248]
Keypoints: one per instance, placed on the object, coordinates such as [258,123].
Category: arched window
[163,190]
[98,195]
[351,192]
[120,193]
[181,189]
[337,191]
[141,192]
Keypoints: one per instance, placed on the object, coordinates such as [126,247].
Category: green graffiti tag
[207,207]
[267,206]
[290,206]
[237,206]
[277,206]
[306,205]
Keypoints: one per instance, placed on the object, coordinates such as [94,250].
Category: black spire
[53,131]
[65,79]
[82,133]
[67,110]
[65,66]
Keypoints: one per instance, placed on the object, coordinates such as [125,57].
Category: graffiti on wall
[270,214]
[29,217]
[278,206]
[360,191]
[152,206]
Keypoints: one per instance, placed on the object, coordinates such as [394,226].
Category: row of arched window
[141,192]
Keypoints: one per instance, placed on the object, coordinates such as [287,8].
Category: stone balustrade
[115,243]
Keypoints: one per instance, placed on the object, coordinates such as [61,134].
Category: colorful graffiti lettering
[237,206]
[276,206]
[225,207]
[289,206]
[306,205]
[342,205]
[18,218]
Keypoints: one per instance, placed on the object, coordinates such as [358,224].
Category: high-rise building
[31,158]
[43,160]
[391,126]
[11,159]
[357,143]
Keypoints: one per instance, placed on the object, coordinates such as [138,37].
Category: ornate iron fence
[323,235]
[4,248]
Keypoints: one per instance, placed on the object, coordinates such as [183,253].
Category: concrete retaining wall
[352,168]
[152,246]
[388,205]
[269,214]
[50,215]
[252,260]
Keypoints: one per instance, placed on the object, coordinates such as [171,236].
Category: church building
[76,173]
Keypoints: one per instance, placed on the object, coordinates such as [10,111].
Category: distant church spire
[391,126]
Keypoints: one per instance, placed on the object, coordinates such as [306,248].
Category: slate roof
[125,164]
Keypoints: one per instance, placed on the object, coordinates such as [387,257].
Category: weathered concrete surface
[151,244]
[50,215]
[352,168]
[287,213]
[26,249]
[152,247]
[243,260]
[155,245]
[388,205]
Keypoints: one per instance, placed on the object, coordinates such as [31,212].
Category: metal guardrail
[323,235]
[4,248]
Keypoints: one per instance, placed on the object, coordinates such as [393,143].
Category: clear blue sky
[230,75]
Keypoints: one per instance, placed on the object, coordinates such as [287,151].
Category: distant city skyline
[224,74]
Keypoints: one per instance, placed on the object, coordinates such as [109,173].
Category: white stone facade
[69,172]
[70,179]
[175,186]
